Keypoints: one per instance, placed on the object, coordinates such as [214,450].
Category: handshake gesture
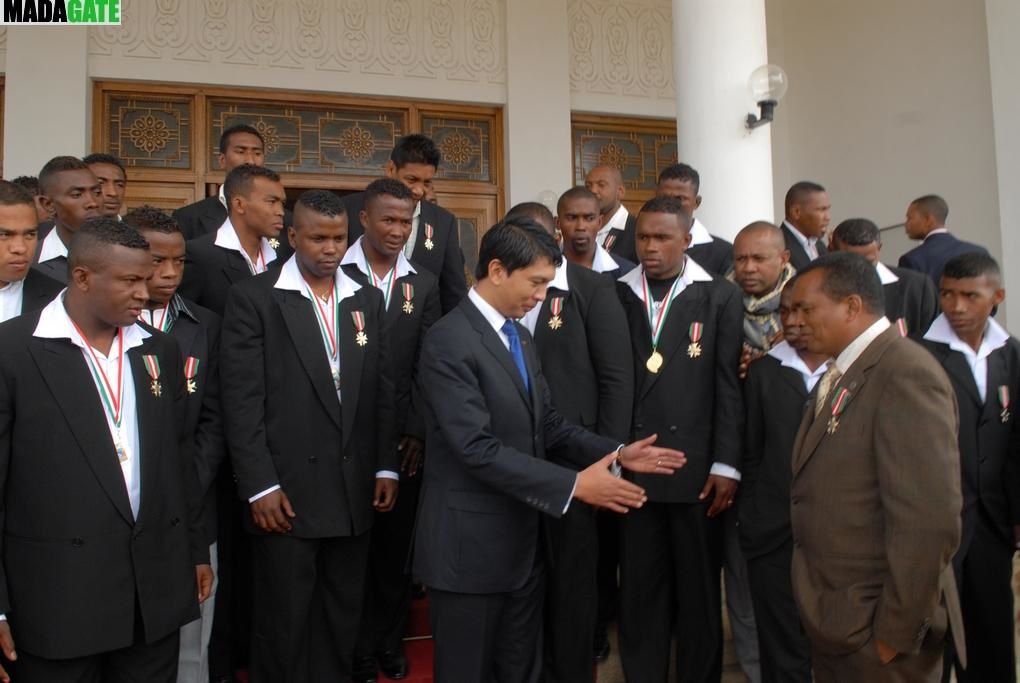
[598,486]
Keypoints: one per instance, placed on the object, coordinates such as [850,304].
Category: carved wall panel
[150,132]
[622,48]
[457,40]
[640,148]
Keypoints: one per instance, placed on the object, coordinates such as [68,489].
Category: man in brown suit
[876,487]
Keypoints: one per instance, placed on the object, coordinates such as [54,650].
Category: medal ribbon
[386,283]
[656,322]
[152,366]
[839,402]
[901,324]
[191,367]
[557,305]
[110,400]
[408,290]
[164,319]
[428,231]
[327,323]
[359,320]
[694,332]
[1004,397]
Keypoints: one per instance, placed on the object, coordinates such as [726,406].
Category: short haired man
[308,416]
[807,208]
[104,558]
[577,219]
[776,389]
[616,231]
[434,243]
[926,221]
[411,306]
[712,253]
[239,144]
[22,288]
[489,484]
[247,242]
[70,193]
[31,185]
[197,331]
[983,364]
[112,177]
[875,493]
[761,268]
[911,302]
[685,328]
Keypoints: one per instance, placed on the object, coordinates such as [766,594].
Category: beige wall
[888,101]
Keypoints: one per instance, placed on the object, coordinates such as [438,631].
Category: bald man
[617,232]
[761,266]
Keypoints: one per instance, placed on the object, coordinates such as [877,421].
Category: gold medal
[119,446]
[408,290]
[428,237]
[429,244]
[152,367]
[654,362]
[359,324]
[274,243]
[156,388]
[361,338]
[556,307]
[408,307]
[190,372]
[336,377]
[555,322]
[694,350]
[832,426]
[694,332]
[191,386]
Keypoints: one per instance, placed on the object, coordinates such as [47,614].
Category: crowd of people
[240,438]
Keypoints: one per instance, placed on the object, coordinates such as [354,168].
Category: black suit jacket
[693,404]
[774,399]
[405,333]
[487,481]
[716,257]
[931,255]
[798,257]
[38,291]
[587,359]
[212,270]
[54,268]
[207,215]
[622,242]
[77,565]
[989,446]
[913,298]
[283,422]
[444,259]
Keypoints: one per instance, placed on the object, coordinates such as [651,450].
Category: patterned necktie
[825,385]
[510,330]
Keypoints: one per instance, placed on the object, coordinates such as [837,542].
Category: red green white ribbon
[408,289]
[111,400]
[839,402]
[385,283]
[694,331]
[656,321]
[326,315]
[359,320]
[902,325]
[151,366]
[556,305]
[1004,397]
[191,367]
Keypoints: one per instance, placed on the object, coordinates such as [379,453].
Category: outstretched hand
[642,456]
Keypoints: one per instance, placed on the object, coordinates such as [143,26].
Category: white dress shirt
[226,237]
[559,281]
[885,274]
[291,279]
[810,244]
[52,247]
[54,323]
[692,273]
[936,231]
[413,237]
[11,298]
[356,255]
[855,348]
[603,261]
[789,358]
[223,199]
[617,222]
[994,337]
[699,234]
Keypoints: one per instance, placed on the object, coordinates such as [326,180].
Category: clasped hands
[598,486]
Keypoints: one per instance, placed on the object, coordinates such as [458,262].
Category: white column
[538,148]
[46,96]
[717,45]
[1003,18]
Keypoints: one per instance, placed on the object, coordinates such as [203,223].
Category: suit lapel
[63,368]
[150,423]
[545,313]
[307,340]
[795,379]
[996,377]
[686,308]
[957,367]
[185,331]
[352,358]
[494,345]
[235,268]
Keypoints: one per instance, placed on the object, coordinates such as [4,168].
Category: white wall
[888,101]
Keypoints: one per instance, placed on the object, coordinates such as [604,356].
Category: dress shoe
[394,664]
[365,670]
[602,648]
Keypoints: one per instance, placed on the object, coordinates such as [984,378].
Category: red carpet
[419,650]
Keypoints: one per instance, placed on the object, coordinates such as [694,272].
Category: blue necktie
[510,330]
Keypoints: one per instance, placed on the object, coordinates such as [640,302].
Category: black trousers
[984,571]
[307,607]
[489,638]
[140,663]
[670,565]
[783,646]
[608,524]
[388,583]
[231,632]
[570,608]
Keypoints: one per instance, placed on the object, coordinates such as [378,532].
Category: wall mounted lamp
[767,85]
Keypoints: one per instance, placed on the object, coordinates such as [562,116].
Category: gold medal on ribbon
[190,373]
[694,348]
[152,367]
[656,320]
[408,290]
[556,307]
[838,404]
[429,244]
[1004,402]
[361,339]
[654,362]
[274,243]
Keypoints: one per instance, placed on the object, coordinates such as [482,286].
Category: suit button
[672,429]
[312,458]
[795,500]
[175,521]
[639,425]
[77,543]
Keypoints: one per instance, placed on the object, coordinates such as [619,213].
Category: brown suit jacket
[875,506]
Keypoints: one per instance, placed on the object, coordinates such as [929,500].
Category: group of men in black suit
[316,405]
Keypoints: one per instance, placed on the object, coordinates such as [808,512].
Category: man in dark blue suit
[489,485]
[926,221]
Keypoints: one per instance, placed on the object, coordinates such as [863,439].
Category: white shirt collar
[603,261]
[936,231]
[491,315]
[854,350]
[699,234]
[55,323]
[356,255]
[559,281]
[52,247]
[805,241]
[11,299]
[226,237]
[291,279]
[941,331]
[617,222]
[789,358]
[223,199]
[885,274]
[692,273]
